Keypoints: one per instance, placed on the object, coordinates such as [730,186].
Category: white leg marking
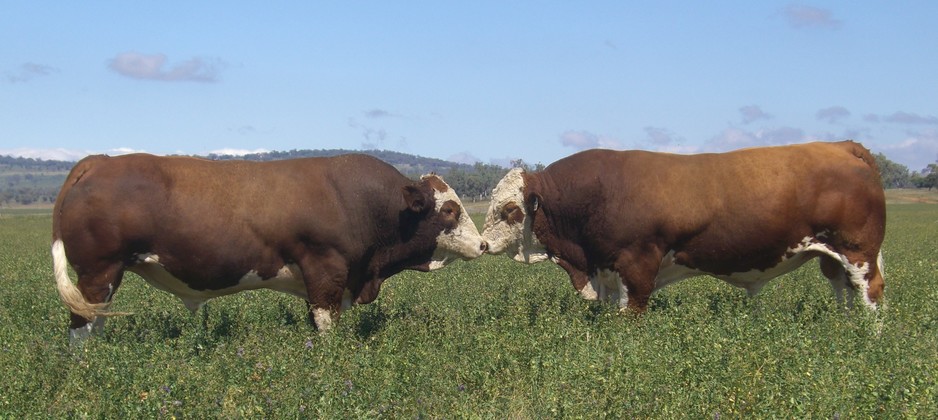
[97,326]
[857,275]
[79,335]
[588,292]
[323,318]
[607,285]
[851,296]
[193,305]
[839,284]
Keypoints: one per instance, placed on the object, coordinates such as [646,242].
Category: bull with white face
[328,230]
[624,224]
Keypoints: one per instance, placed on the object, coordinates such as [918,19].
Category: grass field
[485,339]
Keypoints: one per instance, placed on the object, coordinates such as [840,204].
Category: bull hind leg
[97,287]
[835,273]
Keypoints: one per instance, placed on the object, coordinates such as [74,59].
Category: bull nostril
[484,247]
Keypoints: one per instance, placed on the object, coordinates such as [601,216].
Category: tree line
[25,181]
[895,175]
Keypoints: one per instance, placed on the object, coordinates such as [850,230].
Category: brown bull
[624,224]
[328,230]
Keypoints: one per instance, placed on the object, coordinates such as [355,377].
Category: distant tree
[520,163]
[930,176]
[893,175]
[476,182]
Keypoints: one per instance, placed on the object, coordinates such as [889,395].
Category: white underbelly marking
[671,272]
[288,279]
[753,280]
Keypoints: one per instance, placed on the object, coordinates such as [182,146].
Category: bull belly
[287,280]
[670,271]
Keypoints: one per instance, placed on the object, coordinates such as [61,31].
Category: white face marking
[463,241]
[515,240]
[288,279]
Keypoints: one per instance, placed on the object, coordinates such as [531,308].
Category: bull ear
[414,198]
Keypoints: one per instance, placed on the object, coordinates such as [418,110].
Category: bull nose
[484,247]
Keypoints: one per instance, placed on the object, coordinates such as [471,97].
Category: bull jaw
[441,259]
[502,239]
[461,243]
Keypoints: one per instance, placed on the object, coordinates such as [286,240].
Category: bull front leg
[325,277]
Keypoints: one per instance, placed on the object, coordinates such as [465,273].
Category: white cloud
[375,137]
[379,113]
[833,114]
[917,150]
[151,67]
[228,151]
[804,16]
[69,155]
[583,140]
[910,118]
[464,157]
[735,138]
[663,140]
[680,149]
[29,71]
[661,136]
[752,113]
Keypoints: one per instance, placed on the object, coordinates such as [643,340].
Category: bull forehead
[435,182]
[509,189]
[441,191]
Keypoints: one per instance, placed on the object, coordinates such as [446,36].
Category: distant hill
[409,165]
[28,181]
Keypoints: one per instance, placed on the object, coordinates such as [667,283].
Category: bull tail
[68,292]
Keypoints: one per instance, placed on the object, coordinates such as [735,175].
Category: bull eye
[506,211]
[451,213]
[512,214]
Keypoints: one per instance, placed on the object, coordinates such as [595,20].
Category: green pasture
[484,339]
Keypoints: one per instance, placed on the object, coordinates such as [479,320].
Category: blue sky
[469,81]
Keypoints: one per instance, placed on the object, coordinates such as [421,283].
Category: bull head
[508,221]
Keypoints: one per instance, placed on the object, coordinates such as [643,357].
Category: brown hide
[347,222]
[719,213]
